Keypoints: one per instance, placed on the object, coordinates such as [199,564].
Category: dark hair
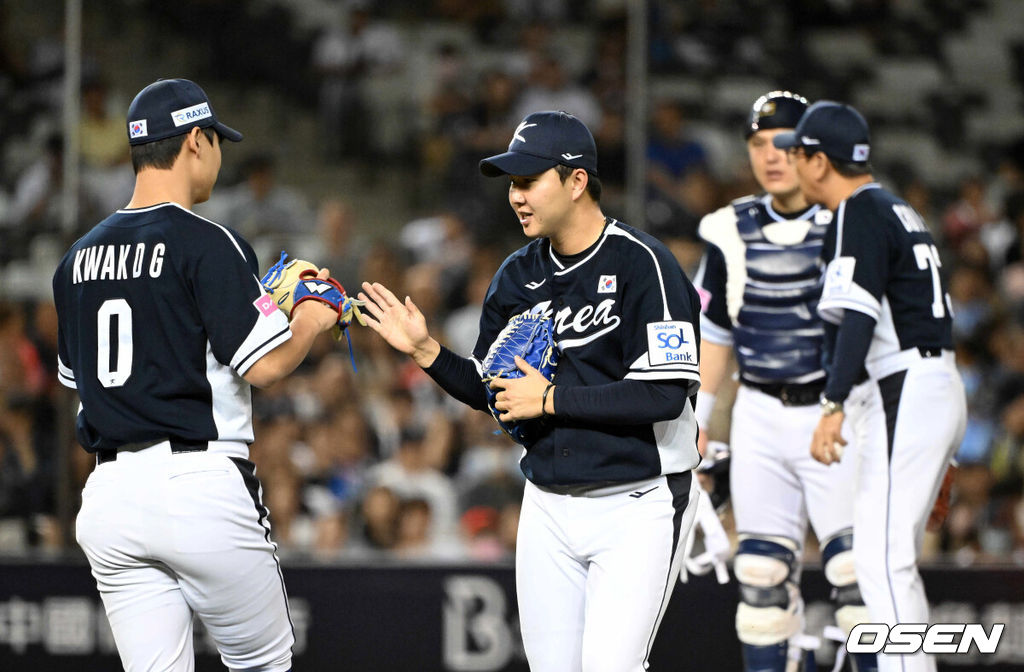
[593,184]
[162,153]
[851,168]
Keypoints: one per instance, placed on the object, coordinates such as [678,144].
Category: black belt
[110,454]
[791,394]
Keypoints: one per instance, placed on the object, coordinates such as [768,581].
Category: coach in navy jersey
[163,327]
[609,494]
[886,297]
[760,279]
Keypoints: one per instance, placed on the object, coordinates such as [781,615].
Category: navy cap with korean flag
[541,141]
[836,129]
[170,107]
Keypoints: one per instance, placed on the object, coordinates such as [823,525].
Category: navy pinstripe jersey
[624,311]
[882,261]
[760,280]
[160,313]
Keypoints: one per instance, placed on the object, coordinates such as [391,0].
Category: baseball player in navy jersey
[163,327]
[886,297]
[610,495]
[760,281]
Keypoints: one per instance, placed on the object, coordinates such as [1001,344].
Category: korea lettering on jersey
[622,310]
[163,301]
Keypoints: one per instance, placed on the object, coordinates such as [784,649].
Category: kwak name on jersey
[117,262]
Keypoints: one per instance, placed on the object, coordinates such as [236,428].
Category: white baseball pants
[172,535]
[594,572]
[909,428]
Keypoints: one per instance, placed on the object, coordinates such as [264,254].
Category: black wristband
[544,401]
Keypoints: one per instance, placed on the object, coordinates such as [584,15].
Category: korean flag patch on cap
[137,129]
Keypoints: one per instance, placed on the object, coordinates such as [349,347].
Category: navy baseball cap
[541,141]
[775,109]
[838,130]
[170,107]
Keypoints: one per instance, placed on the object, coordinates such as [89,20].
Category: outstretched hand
[522,398]
[400,323]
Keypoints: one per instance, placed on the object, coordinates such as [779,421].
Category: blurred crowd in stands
[360,454]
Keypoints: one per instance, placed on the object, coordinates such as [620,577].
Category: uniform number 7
[928,259]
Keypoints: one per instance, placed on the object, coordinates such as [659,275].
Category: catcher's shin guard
[770,611]
[837,562]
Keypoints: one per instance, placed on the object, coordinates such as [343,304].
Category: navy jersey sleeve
[241,320]
[493,316]
[710,283]
[660,314]
[459,377]
[857,268]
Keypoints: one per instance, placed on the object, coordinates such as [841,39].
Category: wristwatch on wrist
[829,407]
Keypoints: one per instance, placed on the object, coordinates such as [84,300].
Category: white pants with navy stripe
[908,428]
[172,535]
[594,573]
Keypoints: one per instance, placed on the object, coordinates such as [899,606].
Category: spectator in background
[974,300]
[1011,262]
[26,478]
[446,118]
[107,173]
[1013,253]
[409,475]
[376,527]
[37,201]
[492,113]
[101,134]
[344,56]
[964,218]
[279,477]
[26,442]
[339,456]
[414,537]
[610,137]
[462,324]
[550,87]
[341,243]
[271,215]
[605,75]
[606,79]
[678,185]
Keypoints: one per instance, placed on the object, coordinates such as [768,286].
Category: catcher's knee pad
[837,561]
[770,609]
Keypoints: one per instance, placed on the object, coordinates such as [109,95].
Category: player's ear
[192,140]
[580,180]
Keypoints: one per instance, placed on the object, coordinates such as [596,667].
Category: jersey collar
[565,264]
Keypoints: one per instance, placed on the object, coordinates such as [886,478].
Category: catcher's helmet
[775,109]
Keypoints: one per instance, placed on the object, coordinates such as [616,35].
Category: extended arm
[308,321]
